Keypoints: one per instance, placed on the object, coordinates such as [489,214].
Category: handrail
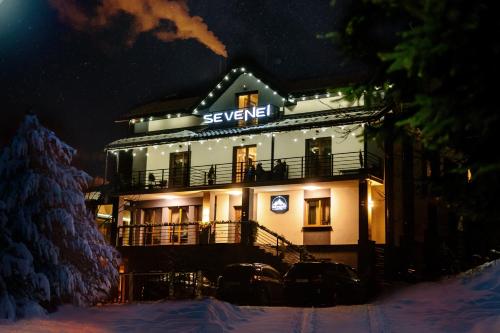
[301,167]
[293,250]
[215,232]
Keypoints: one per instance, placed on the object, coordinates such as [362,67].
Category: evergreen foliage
[50,249]
[442,57]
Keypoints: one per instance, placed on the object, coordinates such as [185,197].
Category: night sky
[79,64]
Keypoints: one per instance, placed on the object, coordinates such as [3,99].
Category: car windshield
[238,272]
[309,269]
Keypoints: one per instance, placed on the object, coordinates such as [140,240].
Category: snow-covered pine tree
[50,249]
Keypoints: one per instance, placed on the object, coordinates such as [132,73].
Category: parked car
[255,283]
[322,283]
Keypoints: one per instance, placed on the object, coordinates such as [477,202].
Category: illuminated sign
[235,115]
[279,203]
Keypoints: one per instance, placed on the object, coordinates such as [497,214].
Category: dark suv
[322,283]
[257,284]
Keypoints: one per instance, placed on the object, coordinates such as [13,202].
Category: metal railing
[220,232]
[350,163]
[279,246]
[192,233]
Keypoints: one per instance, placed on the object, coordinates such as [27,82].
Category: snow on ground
[469,302]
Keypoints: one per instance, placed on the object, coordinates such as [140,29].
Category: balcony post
[302,167]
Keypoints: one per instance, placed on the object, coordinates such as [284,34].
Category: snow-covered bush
[51,251]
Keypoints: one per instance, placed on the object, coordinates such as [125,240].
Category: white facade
[337,195]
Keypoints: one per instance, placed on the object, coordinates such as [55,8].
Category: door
[179,169]
[237,226]
[152,230]
[244,162]
[318,157]
[179,218]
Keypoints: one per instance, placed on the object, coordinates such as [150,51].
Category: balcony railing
[261,171]
[221,232]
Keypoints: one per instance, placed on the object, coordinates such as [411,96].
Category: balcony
[210,233]
[262,172]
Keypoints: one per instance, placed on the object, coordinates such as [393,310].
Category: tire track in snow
[376,323]
[306,321]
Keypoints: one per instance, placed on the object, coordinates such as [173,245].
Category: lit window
[246,100]
[317,212]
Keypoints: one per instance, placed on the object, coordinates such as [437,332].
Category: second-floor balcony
[258,172]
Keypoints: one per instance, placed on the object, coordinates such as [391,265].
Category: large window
[247,99]
[317,212]
[318,157]
[244,163]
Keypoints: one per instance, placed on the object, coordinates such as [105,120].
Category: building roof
[169,106]
[291,88]
[343,116]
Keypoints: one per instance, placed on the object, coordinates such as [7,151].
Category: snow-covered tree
[50,249]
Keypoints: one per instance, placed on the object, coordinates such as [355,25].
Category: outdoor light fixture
[234,192]
[311,187]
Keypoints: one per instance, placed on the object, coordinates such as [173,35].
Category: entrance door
[318,157]
[179,169]
[152,231]
[243,158]
[237,226]
[179,217]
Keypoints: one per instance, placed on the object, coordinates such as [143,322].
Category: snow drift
[469,302]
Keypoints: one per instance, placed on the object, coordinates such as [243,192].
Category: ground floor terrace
[317,215]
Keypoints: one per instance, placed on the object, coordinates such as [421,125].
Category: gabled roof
[189,104]
[227,80]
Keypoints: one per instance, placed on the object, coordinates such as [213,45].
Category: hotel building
[247,172]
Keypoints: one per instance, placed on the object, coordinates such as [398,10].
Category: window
[247,100]
[244,163]
[318,212]
[318,157]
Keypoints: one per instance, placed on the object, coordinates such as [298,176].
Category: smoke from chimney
[147,17]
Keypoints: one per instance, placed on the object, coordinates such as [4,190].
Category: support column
[363,241]
[246,212]
[118,206]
